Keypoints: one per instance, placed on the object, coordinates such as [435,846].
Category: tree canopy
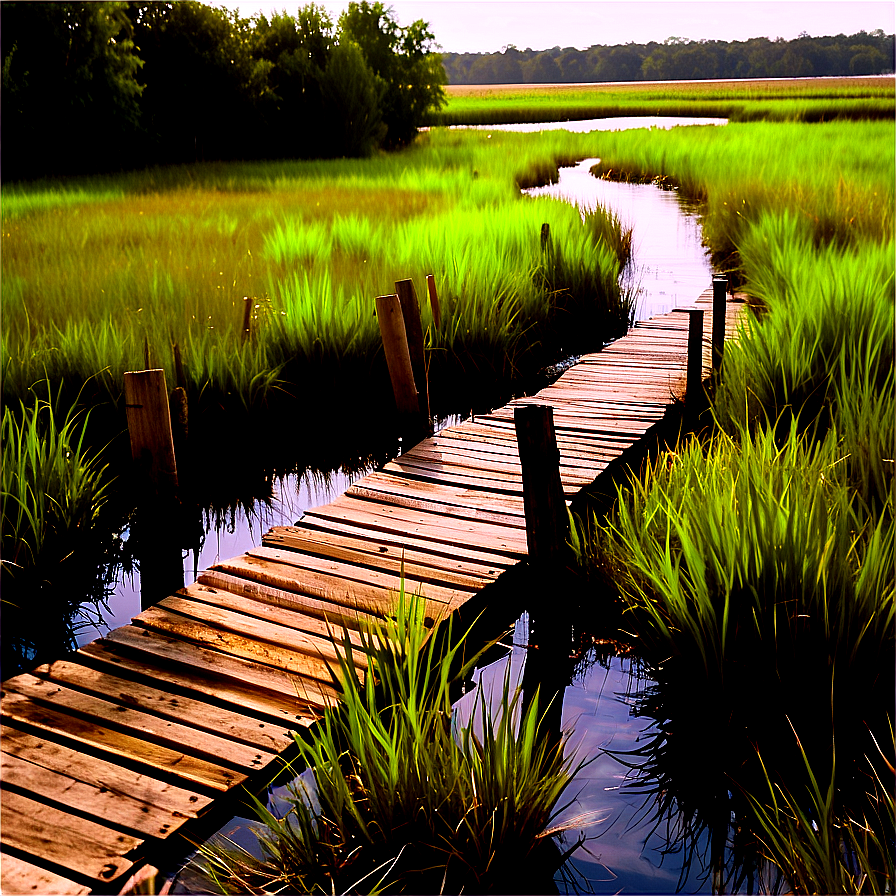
[864,53]
[95,86]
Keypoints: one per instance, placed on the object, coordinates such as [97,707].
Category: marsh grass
[820,99]
[819,847]
[403,803]
[54,491]
[170,255]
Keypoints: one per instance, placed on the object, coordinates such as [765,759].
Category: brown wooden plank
[468,453]
[364,550]
[85,847]
[412,493]
[181,677]
[325,612]
[137,723]
[341,524]
[116,808]
[185,710]
[20,877]
[293,693]
[381,578]
[427,527]
[228,635]
[102,773]
[67,728]
[273,606]
[369,598]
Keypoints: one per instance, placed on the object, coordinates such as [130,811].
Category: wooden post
[410,310]
[547,522]
[694,382]
[545,237]
[398,359]
[149,426]
[434,300]
[719,301]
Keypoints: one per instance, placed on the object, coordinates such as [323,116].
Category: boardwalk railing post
[694,382]
[149,427]
[719,301]
[248,308]
[152,448]
[398,359]
[410,310]
[547,522]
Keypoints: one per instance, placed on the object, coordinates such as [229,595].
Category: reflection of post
[547,529]
[152,448]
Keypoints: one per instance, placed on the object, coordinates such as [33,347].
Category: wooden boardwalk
[108,753]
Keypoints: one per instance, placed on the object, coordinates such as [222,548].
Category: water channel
[628,848]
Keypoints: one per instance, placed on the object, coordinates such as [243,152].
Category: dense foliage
[679,59]
[110,85]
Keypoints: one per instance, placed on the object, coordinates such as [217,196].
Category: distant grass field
[811,99]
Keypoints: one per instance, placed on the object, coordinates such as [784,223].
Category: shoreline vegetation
[783,567]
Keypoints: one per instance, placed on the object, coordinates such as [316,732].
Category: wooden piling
[398,359]
[149,426]
[547,522]
[719,301]
[694,382]
[410,310]
[545,237]
[434,300]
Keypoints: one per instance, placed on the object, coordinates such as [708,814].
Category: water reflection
[670,266]
[586,126]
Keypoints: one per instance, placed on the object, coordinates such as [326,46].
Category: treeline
[677,59]
[100,86]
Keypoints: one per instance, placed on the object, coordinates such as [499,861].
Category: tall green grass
[53,493]
[170,255]
[404,804]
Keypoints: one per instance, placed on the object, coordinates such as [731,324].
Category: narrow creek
[630,846]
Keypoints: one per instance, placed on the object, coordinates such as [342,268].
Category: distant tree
[404,58]
[71,87]
[542,70]
[353,94]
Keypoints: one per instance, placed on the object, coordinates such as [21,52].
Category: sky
[484,26]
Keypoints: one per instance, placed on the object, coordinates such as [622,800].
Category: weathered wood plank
[20,877]
[185,710]
[115,807]
[427,527]
[226,635]
[67,728]
[85,847]
[376,599]
[283,688]
[102,773]
[137,723]
[366,550]
[342,524]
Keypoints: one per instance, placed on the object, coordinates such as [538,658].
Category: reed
[166,256]
[54,491]
[402,803]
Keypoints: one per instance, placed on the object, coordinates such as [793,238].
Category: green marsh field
[753,565]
